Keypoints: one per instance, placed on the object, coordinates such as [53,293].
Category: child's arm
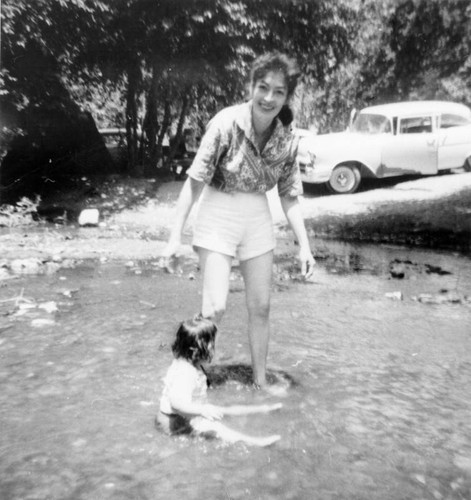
[188,408]
[181,400]
[237,410]
[231,436]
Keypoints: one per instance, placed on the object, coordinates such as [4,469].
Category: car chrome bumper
[313,175]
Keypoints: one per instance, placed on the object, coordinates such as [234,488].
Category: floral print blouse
[229,160]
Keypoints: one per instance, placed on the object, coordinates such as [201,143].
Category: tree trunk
[161,154]
[181,121]
[131,121]
[151,125]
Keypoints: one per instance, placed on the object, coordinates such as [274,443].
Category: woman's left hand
[307,262]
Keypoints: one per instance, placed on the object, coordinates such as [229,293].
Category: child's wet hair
[193,339]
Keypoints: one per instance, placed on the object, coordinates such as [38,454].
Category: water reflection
[241,374]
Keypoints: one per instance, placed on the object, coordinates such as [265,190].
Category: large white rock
[89,217]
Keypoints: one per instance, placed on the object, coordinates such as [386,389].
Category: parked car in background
[115,142]
[408,138]
[184,154]
[180,164]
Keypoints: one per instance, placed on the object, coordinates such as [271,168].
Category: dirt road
[433,212]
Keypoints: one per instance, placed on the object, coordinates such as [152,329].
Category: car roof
[413,107]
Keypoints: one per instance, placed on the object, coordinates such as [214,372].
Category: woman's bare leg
[216,271]
[257,274]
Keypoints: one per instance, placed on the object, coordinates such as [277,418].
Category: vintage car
[115,142]
[408,138]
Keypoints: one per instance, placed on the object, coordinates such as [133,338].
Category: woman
[247,150]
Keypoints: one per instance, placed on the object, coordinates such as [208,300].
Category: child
[182,407]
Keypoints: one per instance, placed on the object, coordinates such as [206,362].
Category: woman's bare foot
[277,390]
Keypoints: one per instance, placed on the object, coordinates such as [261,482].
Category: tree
[169,62]
[53,136]
[182,61]
[423,52]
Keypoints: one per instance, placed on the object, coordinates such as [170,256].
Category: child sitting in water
[182,407]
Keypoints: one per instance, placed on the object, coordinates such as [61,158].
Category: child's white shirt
[184,380]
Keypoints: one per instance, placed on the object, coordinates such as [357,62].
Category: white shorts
[235,224]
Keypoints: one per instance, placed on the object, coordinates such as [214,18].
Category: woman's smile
[269,94]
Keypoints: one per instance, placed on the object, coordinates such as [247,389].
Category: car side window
[416,125]
[448,120]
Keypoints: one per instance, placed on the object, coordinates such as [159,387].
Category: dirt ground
[136,214]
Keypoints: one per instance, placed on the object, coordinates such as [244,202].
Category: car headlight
[309,169]
[306,162]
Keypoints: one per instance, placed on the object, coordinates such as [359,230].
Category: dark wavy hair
[279,62]
[276,61]
[193,338]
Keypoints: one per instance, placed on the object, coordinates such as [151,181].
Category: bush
[22,213]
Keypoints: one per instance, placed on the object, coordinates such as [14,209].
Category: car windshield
[371,124]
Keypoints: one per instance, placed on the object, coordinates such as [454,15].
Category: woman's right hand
[189,194]
[170,255]
[211,412]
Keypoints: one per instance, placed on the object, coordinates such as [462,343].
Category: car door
[454,140]
[413,149]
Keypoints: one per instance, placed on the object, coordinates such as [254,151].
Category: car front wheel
[467,164]
[344,179]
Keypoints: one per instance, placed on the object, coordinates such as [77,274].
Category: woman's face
[269,94]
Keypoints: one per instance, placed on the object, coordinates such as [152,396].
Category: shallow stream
[372,356]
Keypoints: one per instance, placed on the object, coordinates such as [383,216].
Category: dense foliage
[158,66]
